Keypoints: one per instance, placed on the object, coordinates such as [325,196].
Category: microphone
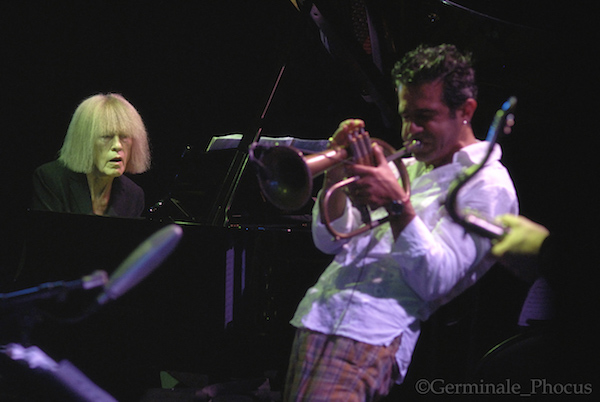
[141,263]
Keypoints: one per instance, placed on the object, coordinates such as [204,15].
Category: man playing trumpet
[358,325]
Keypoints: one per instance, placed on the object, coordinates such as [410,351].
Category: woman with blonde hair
[105,139]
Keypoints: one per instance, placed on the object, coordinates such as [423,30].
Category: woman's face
[111,154]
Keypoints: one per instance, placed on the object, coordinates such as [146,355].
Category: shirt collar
[474,153]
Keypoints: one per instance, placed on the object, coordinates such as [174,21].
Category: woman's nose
[116,143]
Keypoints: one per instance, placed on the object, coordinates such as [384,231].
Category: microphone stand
[53,289]
[470,220]
[62,376]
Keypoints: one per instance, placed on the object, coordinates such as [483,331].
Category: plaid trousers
[333,368]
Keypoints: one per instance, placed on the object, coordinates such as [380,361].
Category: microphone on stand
[140,263]
[63,376]
[136,267]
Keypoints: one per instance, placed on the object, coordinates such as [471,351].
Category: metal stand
[62,377]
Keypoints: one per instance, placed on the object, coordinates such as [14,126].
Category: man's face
[111,153]
[426,118]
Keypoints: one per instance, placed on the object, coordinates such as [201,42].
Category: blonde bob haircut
[99,115]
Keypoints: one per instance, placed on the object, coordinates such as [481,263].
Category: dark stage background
[196,69]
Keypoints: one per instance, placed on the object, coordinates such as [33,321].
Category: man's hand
[339,139]
[378,187]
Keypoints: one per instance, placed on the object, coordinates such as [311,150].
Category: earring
[465,122]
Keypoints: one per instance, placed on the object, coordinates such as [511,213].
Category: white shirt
[376,288]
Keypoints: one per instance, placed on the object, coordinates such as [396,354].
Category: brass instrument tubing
[368,225]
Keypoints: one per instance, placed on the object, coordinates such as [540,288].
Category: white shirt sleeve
[434,260]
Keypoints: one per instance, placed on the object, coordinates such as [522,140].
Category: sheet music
[231,141]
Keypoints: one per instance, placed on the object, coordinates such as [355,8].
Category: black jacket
[59,189]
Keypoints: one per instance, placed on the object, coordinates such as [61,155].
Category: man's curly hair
[445,62]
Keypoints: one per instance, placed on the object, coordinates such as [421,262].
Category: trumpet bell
[283,175]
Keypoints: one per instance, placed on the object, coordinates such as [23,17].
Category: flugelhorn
[285,174]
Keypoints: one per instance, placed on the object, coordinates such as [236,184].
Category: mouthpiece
[414,145]
[409,148]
